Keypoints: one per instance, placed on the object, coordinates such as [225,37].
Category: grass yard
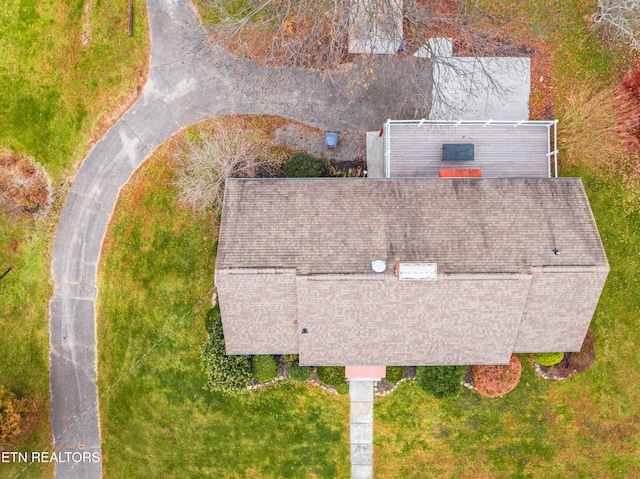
[586,427]
[158,420]
[24,342]
[57,95]
[58,91]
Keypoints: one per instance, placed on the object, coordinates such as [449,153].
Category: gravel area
[351,145]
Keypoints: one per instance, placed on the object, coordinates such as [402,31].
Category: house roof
[294,270]
[338,226]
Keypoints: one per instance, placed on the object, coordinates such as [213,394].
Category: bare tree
[620,19]
[210,159]
[327,34]
[322,34]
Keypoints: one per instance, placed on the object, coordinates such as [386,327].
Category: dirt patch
[352,146]
[24,183]
[385,387]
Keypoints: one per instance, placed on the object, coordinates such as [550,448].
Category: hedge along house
[411,271]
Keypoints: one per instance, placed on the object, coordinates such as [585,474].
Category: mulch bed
[382,388]
[572,363]
[559,372]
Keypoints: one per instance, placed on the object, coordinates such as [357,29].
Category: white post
[549,146]
[555,146]
[387,150]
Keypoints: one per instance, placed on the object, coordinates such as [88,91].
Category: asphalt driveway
[190,80]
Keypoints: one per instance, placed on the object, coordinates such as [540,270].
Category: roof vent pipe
[378,265]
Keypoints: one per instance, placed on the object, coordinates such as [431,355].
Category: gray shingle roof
[296,255]
[464,225]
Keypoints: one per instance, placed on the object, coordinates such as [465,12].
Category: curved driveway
[190,80]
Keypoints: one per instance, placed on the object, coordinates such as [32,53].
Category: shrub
[226,373]
[494,381]
[441,381]
[587,130]
[342,388]
[628,126]
[582,360]
[12,412]
[24,183]
[332,376]
[212,318]
[548,359]
[303,165]
[620,20]
[210,158]
[264,367]
[299,373]
[394,373]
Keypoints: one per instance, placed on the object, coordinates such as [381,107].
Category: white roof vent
[424,271]
[379,265]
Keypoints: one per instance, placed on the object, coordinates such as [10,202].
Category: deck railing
[551,126]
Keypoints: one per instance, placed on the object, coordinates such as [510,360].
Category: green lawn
[588,426]
[159,417]
[24,340]
[158,420]
[56,96]
[56,90]
[585,427]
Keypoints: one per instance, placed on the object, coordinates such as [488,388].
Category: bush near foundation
[494,381]
[333,376]
[394,373]
[441,381]
[303,165]
[226,373]
[299,373]
[547,359]
[264,368]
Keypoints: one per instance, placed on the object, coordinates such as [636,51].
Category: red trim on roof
[460,173]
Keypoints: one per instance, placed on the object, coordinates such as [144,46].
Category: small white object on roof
[424,271]
[379,265]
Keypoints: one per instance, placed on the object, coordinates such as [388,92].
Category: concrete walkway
[361,428]
[190,80]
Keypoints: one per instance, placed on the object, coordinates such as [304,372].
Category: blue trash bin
[331,140]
